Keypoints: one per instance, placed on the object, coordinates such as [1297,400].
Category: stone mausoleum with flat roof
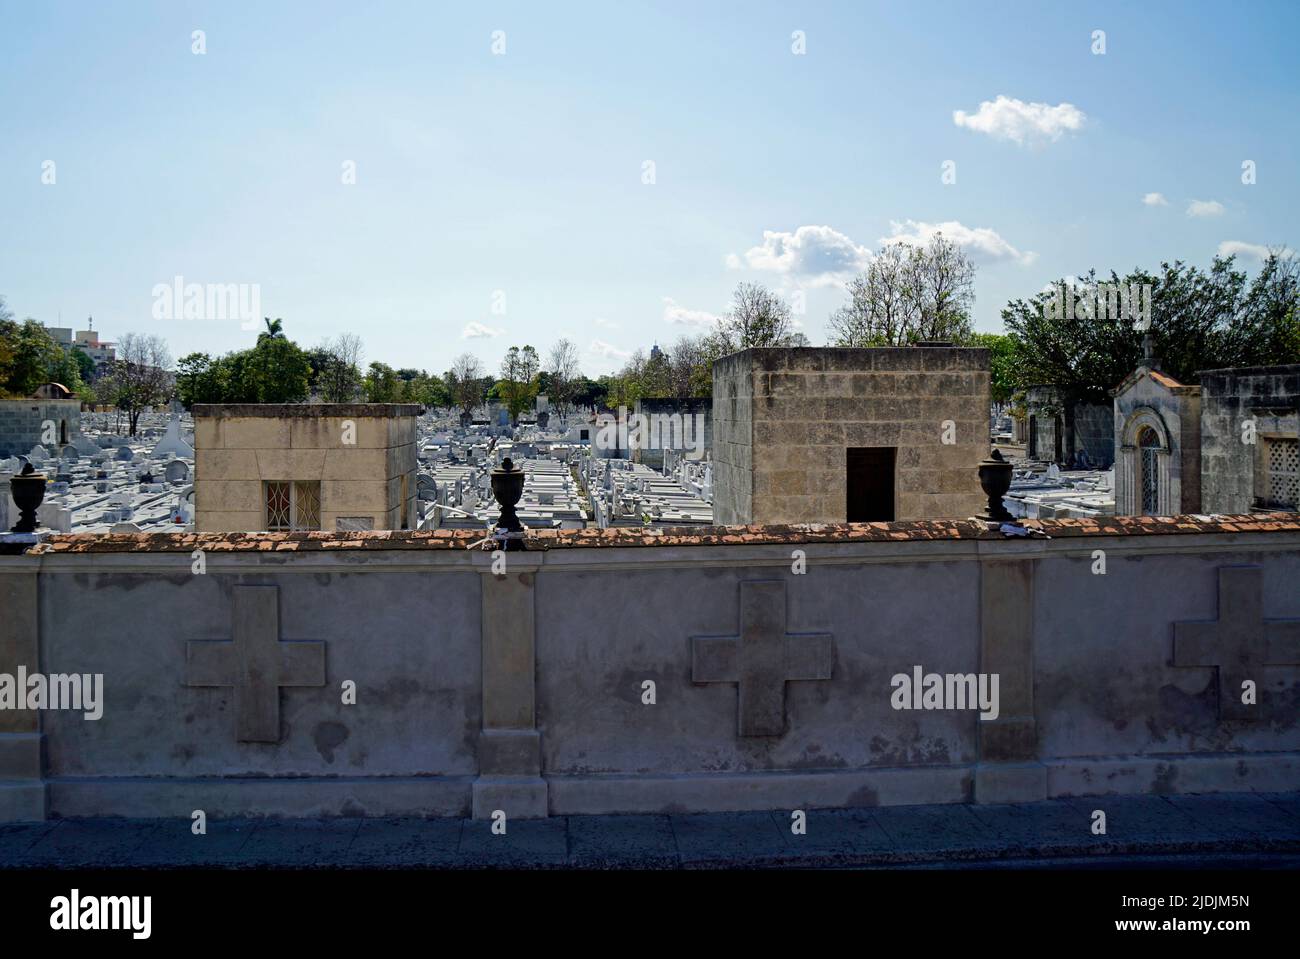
[811,435]
[302,467]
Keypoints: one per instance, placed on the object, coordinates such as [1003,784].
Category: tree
[141,375]
[757,317]
[276,370]
[908,293]
[564,373]
[65,370]
[336,369]
[27,355]
[464,382]
[1002,364]
[518,379]
[85,365]
[274,330]
[690,369]
[382,384]
[1199,320]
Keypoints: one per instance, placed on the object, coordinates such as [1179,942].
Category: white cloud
[1249,251]
[1022,123]
[983,244]
[606,324]
[607,351]
[675,313]
[811,255]
[475,330]
[1155,199]
[1205,208]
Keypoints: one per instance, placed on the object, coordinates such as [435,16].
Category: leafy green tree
[85,365]
[336,376]
[65,370]
[1002,364]
[27,354]
[382,384]
[1200,320]
[518,384]
[276,370]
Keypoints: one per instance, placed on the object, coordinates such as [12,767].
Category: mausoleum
[303,467]
[803,435]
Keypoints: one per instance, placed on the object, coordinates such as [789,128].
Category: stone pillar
[1125,480]
[1008,769]
[22,744]
[510,746]
[1164,504]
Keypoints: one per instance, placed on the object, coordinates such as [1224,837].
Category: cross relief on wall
[1241,644]
[256,663]
[762,658]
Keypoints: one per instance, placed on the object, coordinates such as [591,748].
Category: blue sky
[523,172]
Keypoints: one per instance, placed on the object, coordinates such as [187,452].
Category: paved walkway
[1231,829]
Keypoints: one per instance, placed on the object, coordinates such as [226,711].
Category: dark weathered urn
[995,480]
[507,487]
[28,490]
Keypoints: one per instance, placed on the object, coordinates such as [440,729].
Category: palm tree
[274,330]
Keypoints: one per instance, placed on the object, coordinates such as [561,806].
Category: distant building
[1228,445]
[1157,443]
[1250,439]
[1073,435]
[292,467]
[101,353]
[685,425]
[803,435]
[50,417]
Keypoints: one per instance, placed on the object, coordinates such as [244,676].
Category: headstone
[124,454]
[171,441]
[38,454]
[55,517]
[176,472]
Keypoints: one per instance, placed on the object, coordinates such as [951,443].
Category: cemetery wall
[603,670]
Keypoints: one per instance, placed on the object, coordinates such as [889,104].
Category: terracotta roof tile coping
[911,531]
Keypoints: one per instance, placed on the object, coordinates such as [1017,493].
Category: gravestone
[176,472]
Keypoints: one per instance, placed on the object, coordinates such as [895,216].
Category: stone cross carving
[762,659]
[256,663]
[1240,642]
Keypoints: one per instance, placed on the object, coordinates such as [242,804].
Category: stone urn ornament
[508,487]
[995,480]
[28,489]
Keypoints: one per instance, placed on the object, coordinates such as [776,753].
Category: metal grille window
[1282,468]
[1149,444]
[292,505]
